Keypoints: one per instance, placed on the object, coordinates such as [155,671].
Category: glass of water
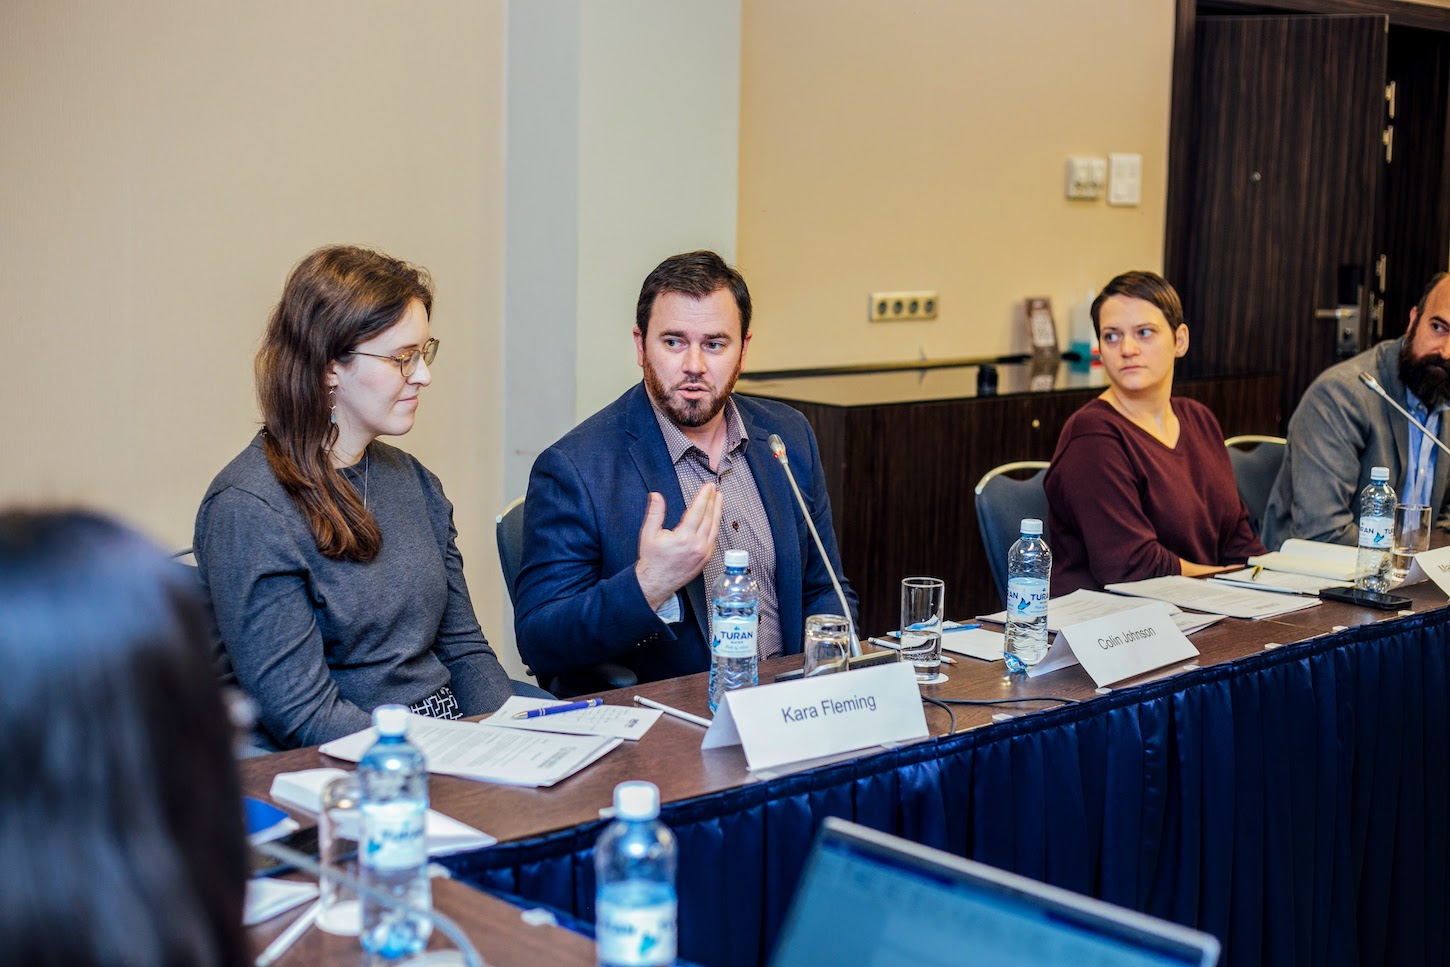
[339,827]
[921,618]
[1412,535]
[828,643]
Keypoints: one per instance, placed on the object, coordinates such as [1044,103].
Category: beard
[681,410]
[1428,377]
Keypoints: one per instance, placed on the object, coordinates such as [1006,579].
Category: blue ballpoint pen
[534,713]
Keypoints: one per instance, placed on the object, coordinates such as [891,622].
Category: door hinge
[1380,266]
[1389,140]
[1390,99]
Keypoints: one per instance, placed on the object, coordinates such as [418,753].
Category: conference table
[496,928]
[1286,791]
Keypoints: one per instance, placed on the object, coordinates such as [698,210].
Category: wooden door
[1287,118]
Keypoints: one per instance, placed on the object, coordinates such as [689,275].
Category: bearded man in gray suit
[1341,429]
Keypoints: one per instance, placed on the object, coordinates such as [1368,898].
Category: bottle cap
[1032,526]
[1379,474]
[737,558]
[637,800]
[391,719]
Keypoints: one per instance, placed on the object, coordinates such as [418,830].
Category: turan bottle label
[735,637]
[393,837]
[636,936]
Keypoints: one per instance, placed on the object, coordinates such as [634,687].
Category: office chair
[1002,503]
[1255,471]
[509,529]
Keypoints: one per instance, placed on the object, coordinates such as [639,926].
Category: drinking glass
[339,827]
[1412,535]
[921,618]
[828,643]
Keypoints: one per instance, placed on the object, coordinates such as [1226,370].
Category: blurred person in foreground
[122,837]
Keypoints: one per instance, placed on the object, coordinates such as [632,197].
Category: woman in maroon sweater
[1141,484]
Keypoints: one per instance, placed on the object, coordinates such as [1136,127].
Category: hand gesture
[670,559]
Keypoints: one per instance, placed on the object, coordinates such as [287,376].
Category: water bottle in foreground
[394,856]
[1029,572]
[734,620]
[1376,532]
[634,876]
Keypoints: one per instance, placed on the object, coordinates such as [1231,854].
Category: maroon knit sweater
[1125,507]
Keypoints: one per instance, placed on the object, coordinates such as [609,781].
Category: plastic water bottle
[634,874]
[734,621]
[1029,573]
[394,853]
[1376,532]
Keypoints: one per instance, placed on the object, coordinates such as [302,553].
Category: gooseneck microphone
[777,447]
[1374,384]
[468,955]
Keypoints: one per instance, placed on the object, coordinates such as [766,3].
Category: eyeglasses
[408,362]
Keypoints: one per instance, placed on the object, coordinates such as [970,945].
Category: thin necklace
[367,466]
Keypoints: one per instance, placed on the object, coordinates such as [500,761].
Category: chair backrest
[509,529]
[1255,471]
[1002,502]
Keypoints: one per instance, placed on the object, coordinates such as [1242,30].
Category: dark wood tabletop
[670,756]
[496,928]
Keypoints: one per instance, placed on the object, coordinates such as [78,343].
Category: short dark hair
[1435,280]
[123,818]
[697,275]
[1148,286]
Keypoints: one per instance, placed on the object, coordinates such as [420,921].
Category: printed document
[1215,598]
[474,750]
[1084,605]
[617,721]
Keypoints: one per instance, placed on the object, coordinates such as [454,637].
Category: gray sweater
[318,643]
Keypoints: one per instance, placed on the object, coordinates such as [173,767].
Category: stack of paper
[1215,598]
[474,750]
[443,835]
[1313,558]
[1283,582]
[1084,605]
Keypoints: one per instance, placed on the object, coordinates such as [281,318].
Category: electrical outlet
[894,306]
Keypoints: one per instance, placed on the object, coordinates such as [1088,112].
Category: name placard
[814,717]
[1435,564]
[1128,643]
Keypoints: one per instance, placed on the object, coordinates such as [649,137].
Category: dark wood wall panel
[901,477]
[1417,202]
[1286,143]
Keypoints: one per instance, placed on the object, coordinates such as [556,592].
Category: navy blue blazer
[577,600]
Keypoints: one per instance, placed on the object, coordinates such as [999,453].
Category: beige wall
[922,145]
[162,166]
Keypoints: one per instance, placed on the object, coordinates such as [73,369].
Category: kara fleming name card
[814,717]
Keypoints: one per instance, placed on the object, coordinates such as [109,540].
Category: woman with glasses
[329,556]
[1140,485]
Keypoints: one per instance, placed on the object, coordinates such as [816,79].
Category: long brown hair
[335,298]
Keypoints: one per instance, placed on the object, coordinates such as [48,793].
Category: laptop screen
[869,898]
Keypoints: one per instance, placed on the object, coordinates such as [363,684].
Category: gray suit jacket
[1340,430]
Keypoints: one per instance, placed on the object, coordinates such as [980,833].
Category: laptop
[868,898]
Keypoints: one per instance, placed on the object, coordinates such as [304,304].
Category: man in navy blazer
[602,578]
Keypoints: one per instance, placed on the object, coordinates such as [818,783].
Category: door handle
[1343,312]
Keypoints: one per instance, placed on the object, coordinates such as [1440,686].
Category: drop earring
[330,436]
